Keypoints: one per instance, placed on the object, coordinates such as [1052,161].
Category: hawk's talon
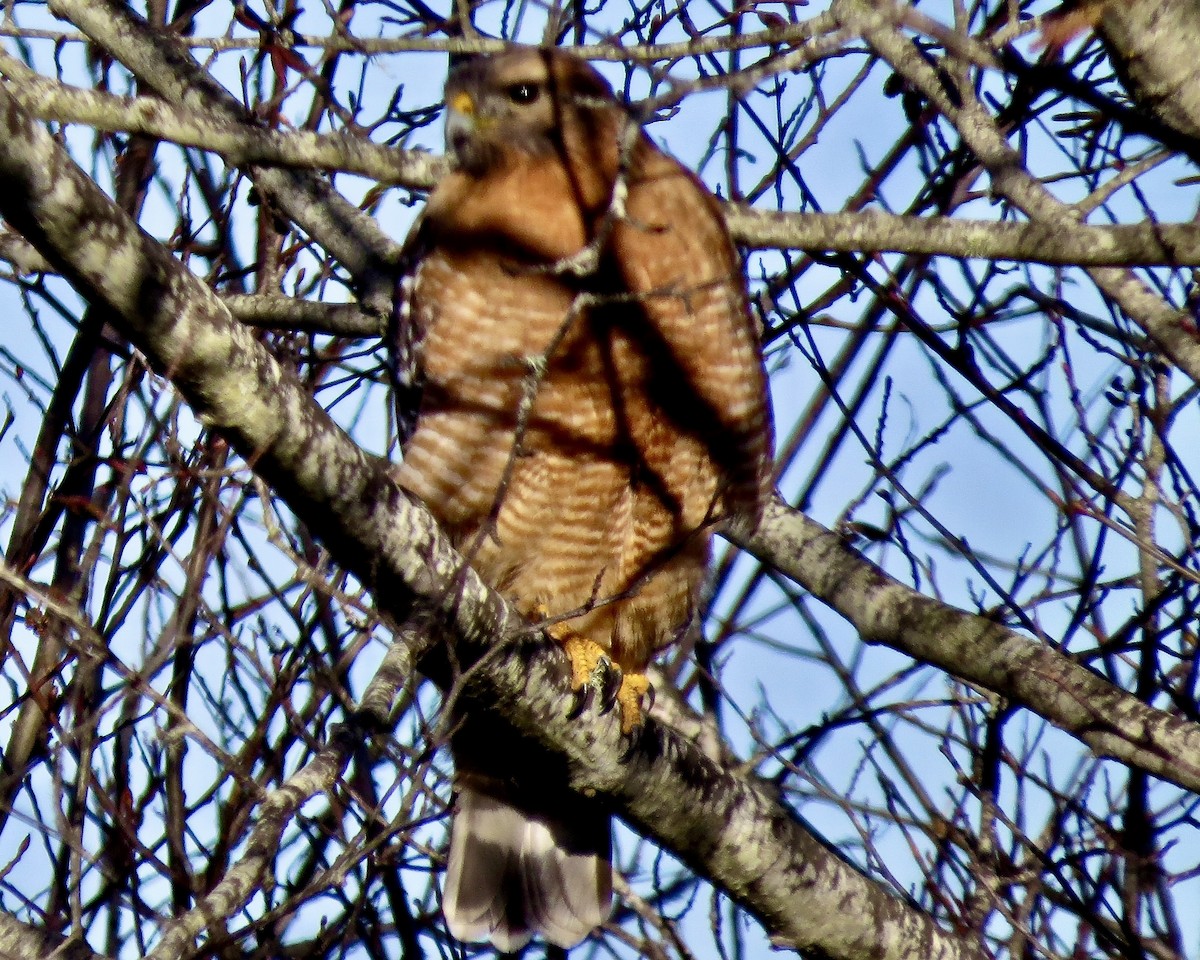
[607,679]
[591,668]
[630,742]
[633,688]
[581,699]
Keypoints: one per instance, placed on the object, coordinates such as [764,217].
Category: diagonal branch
[1110,721]
[238,141]
[730,827]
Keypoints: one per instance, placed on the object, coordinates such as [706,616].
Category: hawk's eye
[523,92]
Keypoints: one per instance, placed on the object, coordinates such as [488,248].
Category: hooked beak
[460,124]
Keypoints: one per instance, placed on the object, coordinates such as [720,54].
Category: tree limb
[162,62]
[732,829]
[1110,721]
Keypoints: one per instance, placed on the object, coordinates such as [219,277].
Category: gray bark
[732,829]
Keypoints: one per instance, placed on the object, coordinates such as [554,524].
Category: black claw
[649,704]
[580,701]
[608,682]
[631,741]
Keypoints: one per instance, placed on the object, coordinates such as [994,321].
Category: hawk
[593,403]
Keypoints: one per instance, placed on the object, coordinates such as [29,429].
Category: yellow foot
[593,671]
[587,657]
[634,686]
[589,661]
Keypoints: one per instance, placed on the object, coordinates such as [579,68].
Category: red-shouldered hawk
[584,424]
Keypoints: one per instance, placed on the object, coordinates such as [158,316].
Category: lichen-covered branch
[729,827]
[19,939]
[982,651]
[1155,42]
[240,143]
[1056,243]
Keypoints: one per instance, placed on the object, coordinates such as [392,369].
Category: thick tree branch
[18,939]
[1056,244]
[732,829]
[239,143]
[1110,721]
[1154,43]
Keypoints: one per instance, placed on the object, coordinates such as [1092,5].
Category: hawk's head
[519,102]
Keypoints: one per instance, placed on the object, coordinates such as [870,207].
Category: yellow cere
[462,103]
